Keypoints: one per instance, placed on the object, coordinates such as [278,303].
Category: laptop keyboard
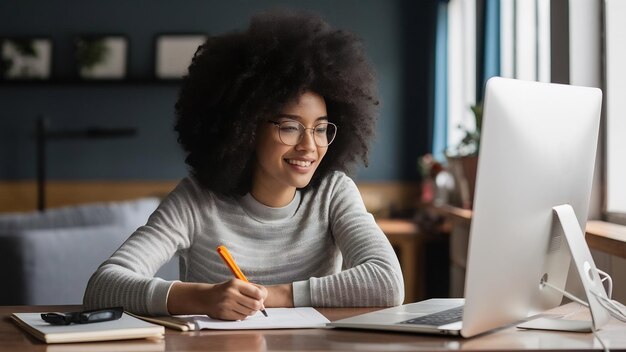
[439,318]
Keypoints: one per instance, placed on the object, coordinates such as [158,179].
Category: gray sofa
[47,258]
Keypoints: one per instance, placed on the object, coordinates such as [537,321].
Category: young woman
[271,118]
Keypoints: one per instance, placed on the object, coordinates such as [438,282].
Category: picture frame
[25,58]
[174,52]
[101,57]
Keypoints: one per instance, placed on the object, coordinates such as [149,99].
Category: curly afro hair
[238,79]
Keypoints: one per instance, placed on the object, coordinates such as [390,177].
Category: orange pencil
[230,262]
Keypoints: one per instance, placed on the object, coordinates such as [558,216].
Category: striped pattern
[307,242]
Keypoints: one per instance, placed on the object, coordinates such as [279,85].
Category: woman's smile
[287,152]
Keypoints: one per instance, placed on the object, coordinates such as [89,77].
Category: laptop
[434,316]
[537,152]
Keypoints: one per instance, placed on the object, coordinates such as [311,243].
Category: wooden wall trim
[15,196]
[387,199]
[18,196]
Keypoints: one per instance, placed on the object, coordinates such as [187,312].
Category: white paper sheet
[278,318]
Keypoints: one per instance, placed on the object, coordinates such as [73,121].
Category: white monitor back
[537,151]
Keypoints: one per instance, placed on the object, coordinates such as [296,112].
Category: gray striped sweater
[324,242]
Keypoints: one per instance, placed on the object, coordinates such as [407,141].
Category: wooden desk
[12,338]
[404,237]
[412,246]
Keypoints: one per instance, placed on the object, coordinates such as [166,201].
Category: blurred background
[88,138]
[106,128]
[398,36]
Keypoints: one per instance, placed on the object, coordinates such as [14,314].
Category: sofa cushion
[52,266]
[126,213]
[47,258]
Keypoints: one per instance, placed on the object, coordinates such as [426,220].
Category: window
[615,90]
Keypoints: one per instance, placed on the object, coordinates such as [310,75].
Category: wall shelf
[89,83]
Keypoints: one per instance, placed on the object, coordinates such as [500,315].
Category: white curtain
[525,39]
[524,53]
[461,67]
[615,12]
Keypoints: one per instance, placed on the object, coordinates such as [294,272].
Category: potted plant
[463,159]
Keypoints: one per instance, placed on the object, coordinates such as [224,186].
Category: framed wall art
[25,58]
[173,54]
[101,57]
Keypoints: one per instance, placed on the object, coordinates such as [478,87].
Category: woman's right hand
[235,300]
[230,300]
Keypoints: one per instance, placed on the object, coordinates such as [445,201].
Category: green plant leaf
[25,47]
[91,52]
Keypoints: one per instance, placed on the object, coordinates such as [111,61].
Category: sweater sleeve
[126,278]
[372,276]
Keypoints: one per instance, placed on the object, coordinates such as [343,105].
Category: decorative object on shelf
[463,160]
[463,170]
[101,57]
[174,53]
[437,182]
[43,134]
[429,168]
[25,58]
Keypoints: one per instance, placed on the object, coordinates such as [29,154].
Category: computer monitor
[537,152]
[533,187]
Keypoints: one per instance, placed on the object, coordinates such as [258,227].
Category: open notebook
[127,327]
[278,318]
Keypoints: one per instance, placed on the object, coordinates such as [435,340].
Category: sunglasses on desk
[84,317]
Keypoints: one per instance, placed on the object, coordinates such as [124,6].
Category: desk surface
[13,338]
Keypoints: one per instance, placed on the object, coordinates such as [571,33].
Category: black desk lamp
[42,135]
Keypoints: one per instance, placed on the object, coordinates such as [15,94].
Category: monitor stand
[588,274]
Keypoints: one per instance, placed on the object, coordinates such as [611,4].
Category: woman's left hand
[279,296]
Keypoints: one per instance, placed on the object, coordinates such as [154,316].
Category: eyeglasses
[292,132]
[85,317]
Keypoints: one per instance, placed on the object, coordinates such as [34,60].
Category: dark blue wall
[396,34]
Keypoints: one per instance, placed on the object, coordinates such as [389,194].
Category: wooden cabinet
[603,237]
[416,250]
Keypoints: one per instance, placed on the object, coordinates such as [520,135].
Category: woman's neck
[275,198]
